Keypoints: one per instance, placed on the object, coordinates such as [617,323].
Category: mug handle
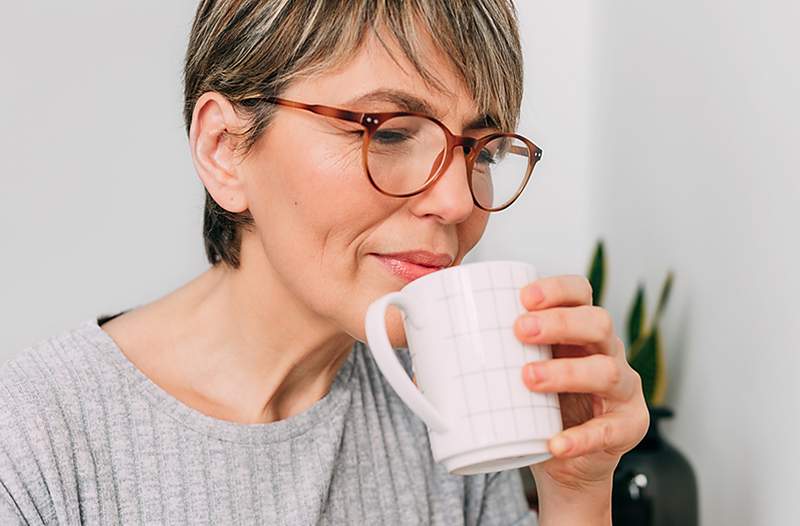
[390,365]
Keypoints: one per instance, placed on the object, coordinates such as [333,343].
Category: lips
[421,257]
[412,265]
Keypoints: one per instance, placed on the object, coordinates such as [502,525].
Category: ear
[213,152]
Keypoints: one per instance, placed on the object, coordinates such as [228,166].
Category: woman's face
[319,220]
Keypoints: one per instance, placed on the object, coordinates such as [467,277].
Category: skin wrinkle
[284,50]
[274,332]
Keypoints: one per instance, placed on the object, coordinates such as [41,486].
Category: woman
[247,396]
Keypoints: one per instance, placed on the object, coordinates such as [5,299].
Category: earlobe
[213,152]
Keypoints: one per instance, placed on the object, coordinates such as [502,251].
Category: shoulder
[48,377]
[41,417]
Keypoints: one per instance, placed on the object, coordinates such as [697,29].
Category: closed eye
[486,157]
[390,136]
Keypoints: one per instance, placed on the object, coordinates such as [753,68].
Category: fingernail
[530,325]
[534,373]
[560,445]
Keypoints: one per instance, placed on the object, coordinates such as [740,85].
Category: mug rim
[408,286]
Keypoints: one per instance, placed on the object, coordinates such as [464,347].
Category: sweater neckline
[317,414]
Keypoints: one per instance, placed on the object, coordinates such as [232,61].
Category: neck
[263,355]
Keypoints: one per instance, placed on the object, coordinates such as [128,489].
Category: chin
[394,328]
[398,340]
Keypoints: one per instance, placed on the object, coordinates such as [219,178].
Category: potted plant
[654,484]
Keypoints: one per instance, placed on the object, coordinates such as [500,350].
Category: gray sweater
[87,438]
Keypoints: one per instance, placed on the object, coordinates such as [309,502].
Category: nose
[449,197]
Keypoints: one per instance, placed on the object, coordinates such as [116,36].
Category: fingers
[597,374]
[582,325]
[613,433]
[567,291]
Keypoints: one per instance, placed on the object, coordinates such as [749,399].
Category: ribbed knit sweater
[87,438]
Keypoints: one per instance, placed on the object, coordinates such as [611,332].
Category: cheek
[305,206]
[306,188]
[322,171]
[471,230]
[313,209]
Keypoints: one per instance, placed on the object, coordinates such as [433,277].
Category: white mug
[467,363]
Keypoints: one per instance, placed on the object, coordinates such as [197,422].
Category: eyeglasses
[404,153]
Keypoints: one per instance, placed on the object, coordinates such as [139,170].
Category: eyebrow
[408,102]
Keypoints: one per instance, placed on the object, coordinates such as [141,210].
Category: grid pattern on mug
[493,393]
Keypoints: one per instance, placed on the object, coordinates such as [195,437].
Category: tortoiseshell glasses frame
[470,145]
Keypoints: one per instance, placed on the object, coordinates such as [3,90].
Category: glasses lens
[499,171]
[404,152]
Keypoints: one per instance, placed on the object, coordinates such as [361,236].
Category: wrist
[585,506]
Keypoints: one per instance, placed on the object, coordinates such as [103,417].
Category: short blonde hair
[241,47]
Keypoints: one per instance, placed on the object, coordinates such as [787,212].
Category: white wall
[96,173]
[696,167]
[95,158]
[549,224]
[671,131]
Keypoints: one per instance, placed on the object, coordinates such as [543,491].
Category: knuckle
[639,428]
[555,289]
[637,379]
[614,372]
[605,324]
[560,322]
[633,385]
[567,370]
[607,435]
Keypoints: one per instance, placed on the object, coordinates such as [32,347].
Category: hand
[602,405]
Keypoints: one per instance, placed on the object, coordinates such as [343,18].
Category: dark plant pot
[654,485]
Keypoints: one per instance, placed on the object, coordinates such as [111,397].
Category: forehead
[379,77]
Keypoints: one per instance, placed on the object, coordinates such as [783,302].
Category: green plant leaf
[597,273]
[645,363]
[666,288]
[637,316]
[660,385]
